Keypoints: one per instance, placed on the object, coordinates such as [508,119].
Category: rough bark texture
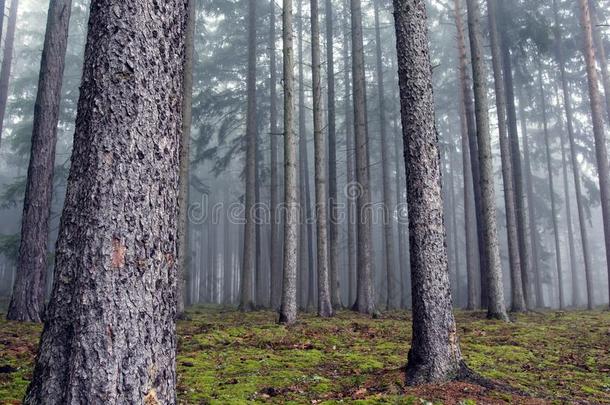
[518,301]
[601,151]
[468,131]
[335,287]
[386,162]
[549,166]
[249,258]
[187,119]
[365,301]
[325,308]
[28,299]
[109,335]
[274,251]
[7,60]
[569,112]
[495,302]
[288,308]
[435,354]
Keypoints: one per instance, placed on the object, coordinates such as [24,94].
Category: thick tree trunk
[600,49]
[549,166]
[567,100]
[365,301]
[7,60]
[468,129]
[495,303]
[114,294]
[28,299]
[274,251]
[288,308]
[249,259]
[518,301]
[187,112]
[435,354]
[601,151]
[386,162]
[325,308]
[335,286]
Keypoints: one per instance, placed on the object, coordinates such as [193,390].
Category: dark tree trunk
[601,149]
[288,308]
[567,100]
[493,273]
[518,301]
[335,285]
[7,60]
[109,335]
[600,49]
[435,354]
[365,301]
[27,301]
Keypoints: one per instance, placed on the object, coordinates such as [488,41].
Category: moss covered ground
[226,357]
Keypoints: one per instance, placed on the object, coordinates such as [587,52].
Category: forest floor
[226,357]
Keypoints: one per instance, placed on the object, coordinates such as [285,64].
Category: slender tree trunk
[469,162]
[600,48]
[187,111]
[435,354]
[567,99]
[249,258]
[518,301]
[350,150]
[495,303]
[549,165]
[386,159]
[288,308]
[365,301]
[601,151]
[325,308]
[7,60]
[274,256]
[114,294]
[335,287]
[28,299]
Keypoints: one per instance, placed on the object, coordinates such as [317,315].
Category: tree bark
[335,286]
[495,302]
[567,100]
[601,151]
[109,335]
[288,308]
[325,308]
[365,302]
[7,61]
[518,301]
[28,299]
[600,48]
[435,354]
[249,259]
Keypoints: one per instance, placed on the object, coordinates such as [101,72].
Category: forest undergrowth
[226,357]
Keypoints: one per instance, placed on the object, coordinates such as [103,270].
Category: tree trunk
[470,163]
[435,354]
[549,166]
[567,100]
[275,258]
[7,60]
[249,258]
[518,301]
[325,308]
[495,302]
[600,48]
[335,287]
[386,159]
[187,111]
[601,151]
[114,294]
[28,299]
[288,308]
[365,301]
